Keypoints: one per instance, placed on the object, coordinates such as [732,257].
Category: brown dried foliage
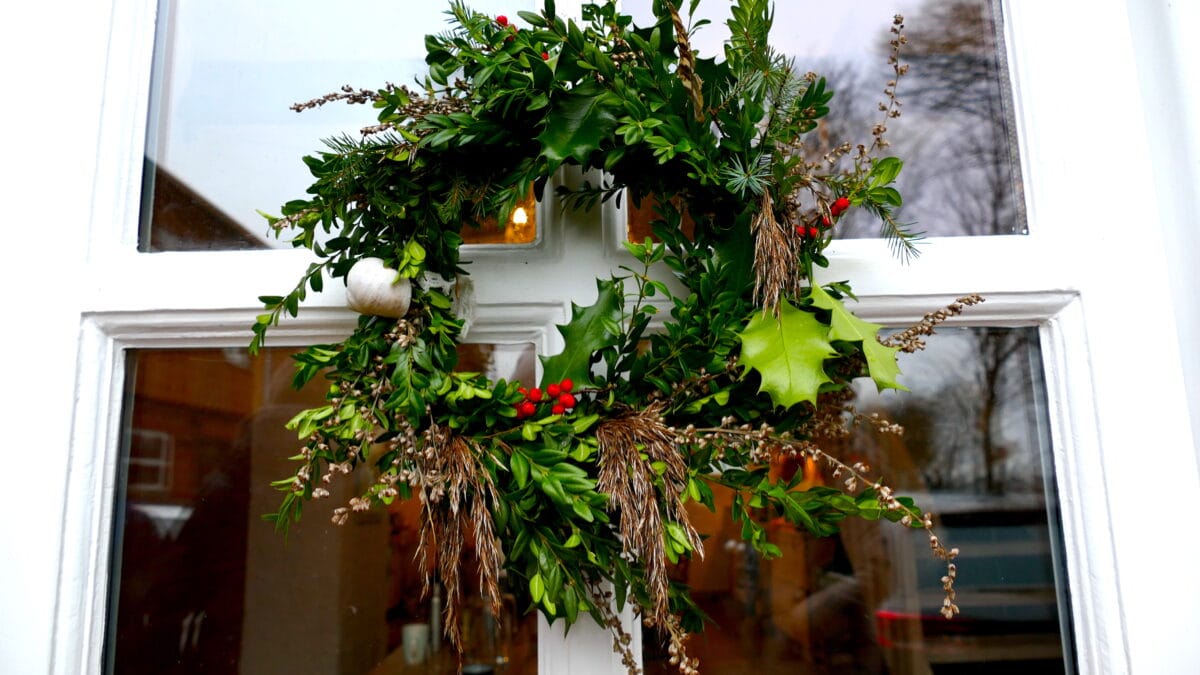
[629,480]
[774,259]
[910,339]
[455,492]
[686,69]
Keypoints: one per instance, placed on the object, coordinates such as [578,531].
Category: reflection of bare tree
[961,175]
[973,433]
[958,83]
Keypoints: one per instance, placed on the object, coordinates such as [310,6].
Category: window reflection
[201,584]
[867,600]
[957,135]
[521,228]
[221,141]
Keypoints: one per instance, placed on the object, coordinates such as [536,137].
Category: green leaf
[720,398]
[584,336]
[885,171]
[582,510]
[881,360]
[788,352]
[571,604]
[537,587]
[520,468]
[584,423]
[577,125]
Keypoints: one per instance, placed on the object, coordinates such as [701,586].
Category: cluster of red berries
[836,209]
[502,21]
[558,395]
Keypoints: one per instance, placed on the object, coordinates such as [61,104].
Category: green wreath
[577,484]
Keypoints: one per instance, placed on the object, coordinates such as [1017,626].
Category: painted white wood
[1168,69]
[119,148]
[54,67]
[1090,172]
[87,522]
[1098,623]
[587,648]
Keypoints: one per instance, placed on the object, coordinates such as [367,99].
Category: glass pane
[222,141]
[975,452]
[639,219]
[956,134]
[521,227]
[201,584]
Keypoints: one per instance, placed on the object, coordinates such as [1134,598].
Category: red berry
[526,409]
[566,385]
[502,20]
[535,394]
[558,409]
[522,391]
[841,204]
[800,230]
[813,232]
[567,400]
[553,390]
[545,56]
[825,222]
[508,39]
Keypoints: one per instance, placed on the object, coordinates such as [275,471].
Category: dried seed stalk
[629,480]
[774,259]
[456,488]
[686,68]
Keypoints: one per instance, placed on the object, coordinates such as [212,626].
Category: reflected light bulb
[519,217]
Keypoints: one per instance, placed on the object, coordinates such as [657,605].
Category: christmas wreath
[575,486]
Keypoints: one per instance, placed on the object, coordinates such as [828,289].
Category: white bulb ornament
[372,288]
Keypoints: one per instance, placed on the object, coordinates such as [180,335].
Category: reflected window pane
[521,228]
[222,141]
[957,134]
[975,452]
[201,584]
[640,217]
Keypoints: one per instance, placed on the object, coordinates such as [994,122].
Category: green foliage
[881,359]
[591,329]
[579,122]
[501,111]
[788,351]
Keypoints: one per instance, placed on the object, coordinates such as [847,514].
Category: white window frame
[1119,412]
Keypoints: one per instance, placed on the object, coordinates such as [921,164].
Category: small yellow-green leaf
[582,510]
[881,359]
[520,468]
[537,587]
[788,352]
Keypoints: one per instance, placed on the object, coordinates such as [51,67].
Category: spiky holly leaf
[590,330]
[788,352]
[578,124]
[881,360]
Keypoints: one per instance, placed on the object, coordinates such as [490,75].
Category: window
[1100,399]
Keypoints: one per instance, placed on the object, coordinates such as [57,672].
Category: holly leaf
[881,359]
[588,332]
[577,125]
[788,352]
